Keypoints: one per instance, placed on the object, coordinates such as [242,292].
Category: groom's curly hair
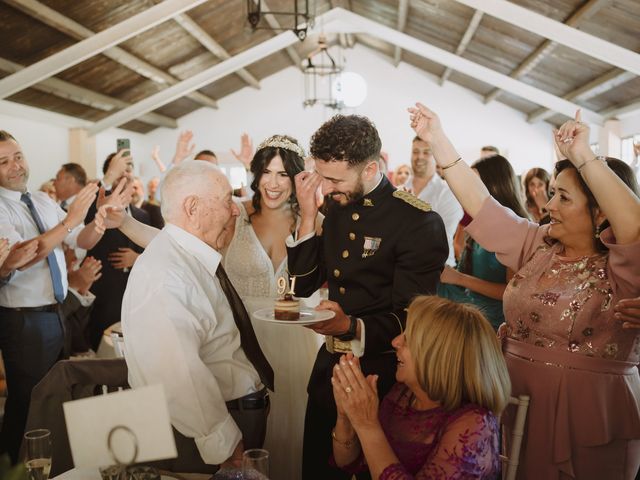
[346,138]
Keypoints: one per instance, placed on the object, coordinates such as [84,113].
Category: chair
[71,380]
[511,461]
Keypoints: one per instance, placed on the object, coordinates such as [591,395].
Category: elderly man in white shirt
[182,325]
[33,280]
[427,185]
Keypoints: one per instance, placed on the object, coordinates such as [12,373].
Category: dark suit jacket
[109,289]
[376,254]
[76,319]
[155,215]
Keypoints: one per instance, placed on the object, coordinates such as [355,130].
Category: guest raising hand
[440,419]
[563,344]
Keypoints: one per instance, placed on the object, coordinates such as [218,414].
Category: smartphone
[123,144]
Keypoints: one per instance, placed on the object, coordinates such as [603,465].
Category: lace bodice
[247,263]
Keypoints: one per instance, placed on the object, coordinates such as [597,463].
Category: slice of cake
[287,308]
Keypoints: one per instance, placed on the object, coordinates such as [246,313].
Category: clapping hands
[356,396]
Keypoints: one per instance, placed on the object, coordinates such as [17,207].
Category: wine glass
[255,464]
[38,453]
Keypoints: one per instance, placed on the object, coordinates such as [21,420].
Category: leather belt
[253,401]
[53,308]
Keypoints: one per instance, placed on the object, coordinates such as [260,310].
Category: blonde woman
[401,175]
[440,419]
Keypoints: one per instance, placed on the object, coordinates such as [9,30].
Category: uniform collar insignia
[367,202]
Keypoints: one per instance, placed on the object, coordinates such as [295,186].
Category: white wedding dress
[291,350]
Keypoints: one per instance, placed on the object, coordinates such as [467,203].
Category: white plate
[308,316]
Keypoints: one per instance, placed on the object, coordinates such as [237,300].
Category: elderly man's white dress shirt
[442,200]
[32,287]
[179,331]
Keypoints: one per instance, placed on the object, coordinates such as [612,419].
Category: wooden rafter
[580,14]
[197,32]
[84,96]
[403,12]
[68,26]
[464,42]
[583,42]
[601,84]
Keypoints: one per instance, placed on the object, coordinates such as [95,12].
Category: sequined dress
[564,348]
[291,350]
[436,444]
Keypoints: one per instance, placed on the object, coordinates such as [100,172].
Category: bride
[254,260]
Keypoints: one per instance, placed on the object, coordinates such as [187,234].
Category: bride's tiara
[280,141]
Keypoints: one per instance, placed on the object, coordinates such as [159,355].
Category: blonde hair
[456,354]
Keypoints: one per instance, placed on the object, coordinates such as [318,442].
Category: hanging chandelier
[320,72]
[302,17]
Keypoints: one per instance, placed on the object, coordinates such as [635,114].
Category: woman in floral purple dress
[440,420]
[563,344]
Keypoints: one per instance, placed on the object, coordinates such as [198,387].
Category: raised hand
[82,278]
[307,185]
[246,151]
[155,156]
[120,196]
[357,395]
[184,147]
[78,209]
[424,122]
[572,139]
[118,167]
[123,258]
[19,256]
[107,217]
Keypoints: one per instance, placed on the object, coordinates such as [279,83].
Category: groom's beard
[343,199]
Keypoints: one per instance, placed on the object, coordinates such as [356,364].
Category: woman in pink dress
[440,421]
[563,344]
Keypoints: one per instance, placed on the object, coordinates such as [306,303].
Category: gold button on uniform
[336,273]
[352,236]
[355,217]
[342,290]
[345,254]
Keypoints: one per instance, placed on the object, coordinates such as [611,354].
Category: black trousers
[31,342]
[321,414]
[252,422]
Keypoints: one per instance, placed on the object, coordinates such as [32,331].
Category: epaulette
[412,200]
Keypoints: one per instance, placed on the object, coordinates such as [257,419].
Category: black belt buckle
[253,401]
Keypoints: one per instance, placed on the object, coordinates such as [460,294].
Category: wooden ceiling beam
[460,64]
[580,14]
[197,32]
[595,87]
[403,13]
[464,42]
[621,111]
[84,96]
[222,69]
[56,20]
[591,45]
[273,23]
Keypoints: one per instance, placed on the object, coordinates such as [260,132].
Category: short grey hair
[191,177]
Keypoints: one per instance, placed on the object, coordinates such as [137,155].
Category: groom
[379,248]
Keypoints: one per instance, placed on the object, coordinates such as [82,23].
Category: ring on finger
[348,389]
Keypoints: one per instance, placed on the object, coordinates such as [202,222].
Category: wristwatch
[350,334]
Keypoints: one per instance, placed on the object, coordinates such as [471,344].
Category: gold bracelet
[346,444]
[452,163]
[599,157]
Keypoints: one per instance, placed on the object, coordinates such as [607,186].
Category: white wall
[277,108]
[43,136]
